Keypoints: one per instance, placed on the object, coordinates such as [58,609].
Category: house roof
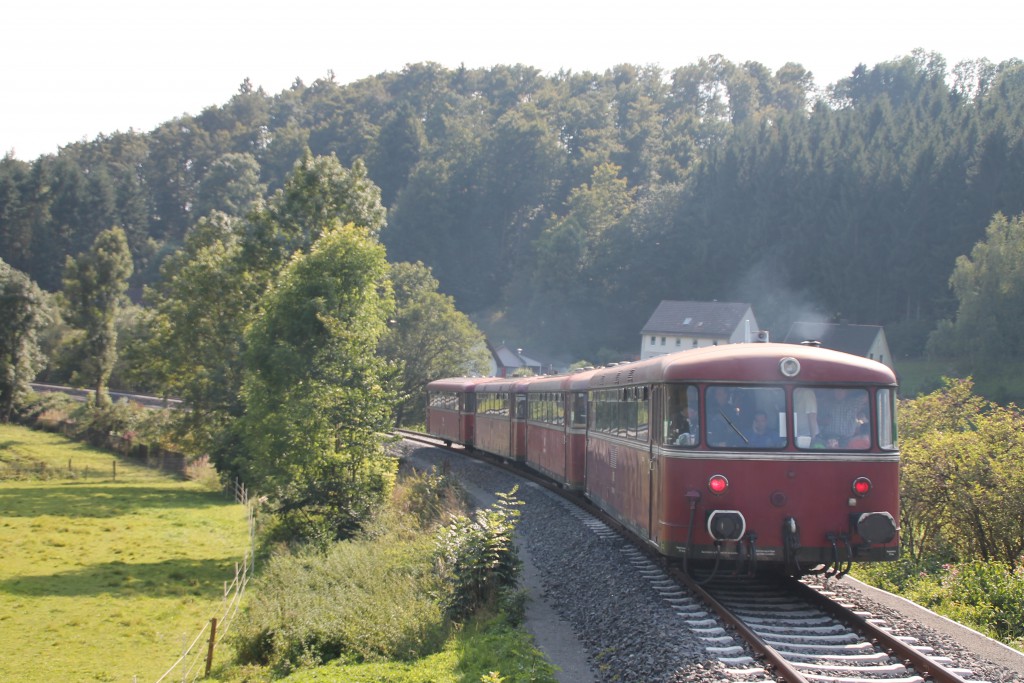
[853,339]
[696,318]
[507,358]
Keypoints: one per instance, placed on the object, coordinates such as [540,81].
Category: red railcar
[768,454]
[546,427]
[495,407]
[451,409]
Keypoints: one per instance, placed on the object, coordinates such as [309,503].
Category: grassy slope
[101,580]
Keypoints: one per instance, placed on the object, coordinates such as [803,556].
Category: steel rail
[780,668]
[926,667]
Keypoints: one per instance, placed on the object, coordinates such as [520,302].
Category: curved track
[766,628]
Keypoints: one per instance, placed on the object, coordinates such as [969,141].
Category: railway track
[801,633]
[770,628]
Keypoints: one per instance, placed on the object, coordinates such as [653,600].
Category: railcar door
[657,419]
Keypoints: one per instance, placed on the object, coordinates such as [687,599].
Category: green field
[104,579]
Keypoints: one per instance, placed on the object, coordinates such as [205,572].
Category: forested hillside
[558,210]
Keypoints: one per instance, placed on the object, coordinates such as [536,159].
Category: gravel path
[600,621]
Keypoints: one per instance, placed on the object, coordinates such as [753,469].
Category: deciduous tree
[317,397]
[989,284]
[22,315]
[94,287]
[429,337]
[962,486]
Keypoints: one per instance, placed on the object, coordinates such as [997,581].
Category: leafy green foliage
[431,497]
[368,609]
[95,284]
[988,596]
[477,559]
[428,337]
[989,285]
[318,401]
[849,199]
[22,315]
[962,487]
[359,602]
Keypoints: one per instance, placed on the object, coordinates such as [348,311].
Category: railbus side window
[885,399]
[579,409]
[682,418]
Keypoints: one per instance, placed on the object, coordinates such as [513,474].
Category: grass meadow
[104,579]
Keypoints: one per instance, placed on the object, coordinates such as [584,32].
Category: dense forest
[559,209]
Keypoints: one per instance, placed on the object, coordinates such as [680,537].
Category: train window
[579,410]
[446,400]
[493,403]
[843,418]
[885,399]
[621,412]
[746,417]
[682,417]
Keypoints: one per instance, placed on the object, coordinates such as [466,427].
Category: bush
[476,558]
[45,409]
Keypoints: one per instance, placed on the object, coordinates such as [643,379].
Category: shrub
[45,409]
[476,558]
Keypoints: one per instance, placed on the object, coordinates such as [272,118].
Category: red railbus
[765,454]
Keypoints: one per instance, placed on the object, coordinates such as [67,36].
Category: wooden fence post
[115,470]
[213,640]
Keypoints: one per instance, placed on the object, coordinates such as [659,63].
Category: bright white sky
[70,70]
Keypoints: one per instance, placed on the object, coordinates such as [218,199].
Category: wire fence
[197,656]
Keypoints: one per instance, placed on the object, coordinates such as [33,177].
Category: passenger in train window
[805,411]
[861,438]
[761,432]
[687,434]
[838,417]
[722,417]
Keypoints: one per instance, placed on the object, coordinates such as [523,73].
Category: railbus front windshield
[766,417]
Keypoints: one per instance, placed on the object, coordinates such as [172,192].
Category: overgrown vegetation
[962,511]
[424,588]
[987,596]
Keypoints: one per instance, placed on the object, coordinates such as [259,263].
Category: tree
[210,290]
[22,315]
[319,192]
[570,283]
[989,284]
[94,286]
[232,185]
[317,397]
[194,346]
[429,337]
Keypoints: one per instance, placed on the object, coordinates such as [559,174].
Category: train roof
[744,362]
[748,362]
[457,383]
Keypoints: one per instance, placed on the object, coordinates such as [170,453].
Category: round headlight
[789,366]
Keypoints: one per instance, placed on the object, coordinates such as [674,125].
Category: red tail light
[718,484]
[861,486]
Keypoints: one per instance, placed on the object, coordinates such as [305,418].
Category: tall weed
[360,601]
